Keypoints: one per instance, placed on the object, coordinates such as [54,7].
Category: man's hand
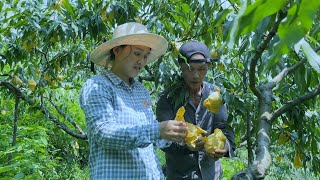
[173,130]
[199,145]
[219,153]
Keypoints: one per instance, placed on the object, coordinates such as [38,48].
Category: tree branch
[15,124]
[147,68]
[67,118]
[295,102]
[43,109]
[235,8]
[276,80]
[146,78]
[248,136]
[151,76]
[261,47]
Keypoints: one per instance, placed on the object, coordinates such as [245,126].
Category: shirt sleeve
[221,123]
[165,111]
[96,102]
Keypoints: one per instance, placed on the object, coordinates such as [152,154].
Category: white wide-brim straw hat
[131,33]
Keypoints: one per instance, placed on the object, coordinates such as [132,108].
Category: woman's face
[195,73]
[129,61]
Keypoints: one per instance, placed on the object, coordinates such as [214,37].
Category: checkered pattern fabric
[121,128]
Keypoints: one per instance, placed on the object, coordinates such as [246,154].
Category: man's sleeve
[221,123]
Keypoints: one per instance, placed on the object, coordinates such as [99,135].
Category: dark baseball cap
[191,48]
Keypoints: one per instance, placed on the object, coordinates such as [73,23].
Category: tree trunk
[262,162]
[15,125]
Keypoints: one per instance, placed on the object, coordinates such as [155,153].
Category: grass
[161,156]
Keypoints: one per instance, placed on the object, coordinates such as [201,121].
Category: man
[183,161]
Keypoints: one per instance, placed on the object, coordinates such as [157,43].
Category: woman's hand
[173,130]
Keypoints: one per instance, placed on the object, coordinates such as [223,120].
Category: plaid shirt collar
[117,81]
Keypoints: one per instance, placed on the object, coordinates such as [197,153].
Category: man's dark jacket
[181,163]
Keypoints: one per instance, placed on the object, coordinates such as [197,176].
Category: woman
[121,126]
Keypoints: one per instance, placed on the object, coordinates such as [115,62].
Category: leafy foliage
[50,42]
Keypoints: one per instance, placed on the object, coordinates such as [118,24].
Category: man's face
[195,73]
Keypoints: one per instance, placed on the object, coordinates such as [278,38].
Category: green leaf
[66,4]
[299,79]
[256,12]
[5,169]
[249,17]
[221,16]
[295,27]
[312,57]
[178,19]
[19,175]
[234,32]
[185,8]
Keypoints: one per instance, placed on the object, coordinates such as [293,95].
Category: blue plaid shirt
[121,128]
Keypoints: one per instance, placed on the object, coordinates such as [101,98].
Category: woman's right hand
[173,130]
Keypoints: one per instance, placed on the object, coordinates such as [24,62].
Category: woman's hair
[112,56]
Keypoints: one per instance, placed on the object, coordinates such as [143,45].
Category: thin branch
[281,65]
[235,8]
[147,68]
[238,71]
[276,80]
[67,117]
[146,78]
[261,47]
[295,102]
[43,109]
[15,125]
[248,136]
[43,54]
[15,121]
[151,76]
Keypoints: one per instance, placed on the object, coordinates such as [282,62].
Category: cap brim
[158,45]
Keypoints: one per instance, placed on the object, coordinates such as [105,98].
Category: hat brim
[158,45]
